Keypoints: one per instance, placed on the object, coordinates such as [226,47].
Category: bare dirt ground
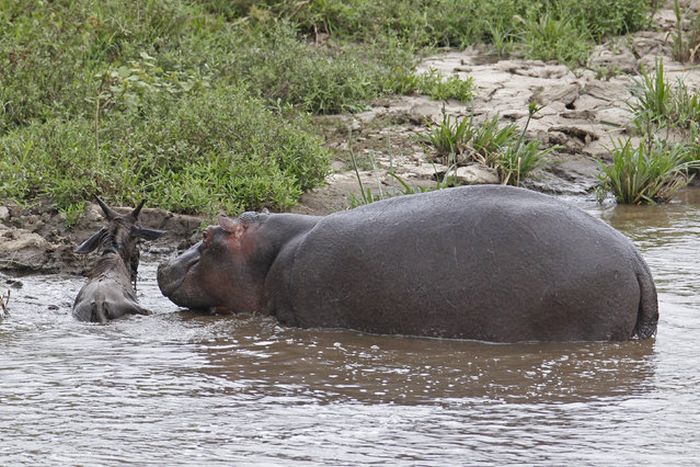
[583,112]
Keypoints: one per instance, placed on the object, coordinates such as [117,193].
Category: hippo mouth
[172,274]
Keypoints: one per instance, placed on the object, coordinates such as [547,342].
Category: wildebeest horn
[109,212]
[135,213]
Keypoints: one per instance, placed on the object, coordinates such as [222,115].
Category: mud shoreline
[583,112]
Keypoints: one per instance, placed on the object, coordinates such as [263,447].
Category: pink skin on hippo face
[490,263]
[204,275]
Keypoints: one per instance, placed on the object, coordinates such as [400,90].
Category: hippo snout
[177,278]
[167,280]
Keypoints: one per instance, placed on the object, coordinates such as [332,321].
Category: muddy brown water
[178,388]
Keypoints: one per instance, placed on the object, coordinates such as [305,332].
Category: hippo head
[120,236]
[223,271]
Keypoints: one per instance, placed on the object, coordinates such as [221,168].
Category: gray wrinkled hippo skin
[108,293]
[491,263]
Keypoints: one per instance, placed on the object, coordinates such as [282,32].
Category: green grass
[461,141]
[218,150]
[658,104]
[647,174]
[548,37]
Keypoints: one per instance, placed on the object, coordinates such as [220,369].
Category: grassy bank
[203,105]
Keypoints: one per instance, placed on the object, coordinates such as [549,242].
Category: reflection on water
[222,389]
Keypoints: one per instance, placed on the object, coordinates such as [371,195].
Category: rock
[614,58]
[4,213]
[616,116]
[665,19]
[650,43]
[566,93]
[23,250]
[425,171]
[475,174]
[583,132]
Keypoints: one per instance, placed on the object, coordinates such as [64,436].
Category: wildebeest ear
[147,234]
[91,243]
[232,226]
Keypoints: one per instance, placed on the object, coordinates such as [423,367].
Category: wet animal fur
[109,292]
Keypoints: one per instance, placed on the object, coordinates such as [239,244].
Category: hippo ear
[147,234]
[232,226]
[91,243]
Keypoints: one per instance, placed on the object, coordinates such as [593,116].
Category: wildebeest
[109,293]
[491,263]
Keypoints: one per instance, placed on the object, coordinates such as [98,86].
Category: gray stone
[4,213]
[565,93]
[425,171]
[614,58]
[21,249]
[475,174]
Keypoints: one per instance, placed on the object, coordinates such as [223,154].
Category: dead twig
[4,301]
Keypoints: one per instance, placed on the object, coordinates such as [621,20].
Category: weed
[518,159]
[647,174]
[431,84]
[460,142]
[680,50]
[547,37]
[452,136]
[658,104]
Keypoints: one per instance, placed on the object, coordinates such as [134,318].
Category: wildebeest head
[120,236]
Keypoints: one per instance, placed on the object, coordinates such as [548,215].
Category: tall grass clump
[547,37]
[658,104]
[649,173]
[460,141]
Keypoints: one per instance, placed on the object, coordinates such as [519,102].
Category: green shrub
[649,173]
[217,150]
[451,23]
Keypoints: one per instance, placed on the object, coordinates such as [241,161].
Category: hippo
[489,263]
[110,289]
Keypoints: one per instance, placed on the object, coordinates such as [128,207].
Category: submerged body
[490,263]
[107,295]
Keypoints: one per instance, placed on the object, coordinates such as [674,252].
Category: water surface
[178,388]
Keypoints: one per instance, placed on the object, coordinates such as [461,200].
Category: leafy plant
[432,84]
[658,104]
[650,173]
[461,141]
[517,160]
[547,37]
[452,136]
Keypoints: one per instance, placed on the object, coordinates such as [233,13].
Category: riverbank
[584,110]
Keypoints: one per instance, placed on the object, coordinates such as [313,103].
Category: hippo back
[490,262]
